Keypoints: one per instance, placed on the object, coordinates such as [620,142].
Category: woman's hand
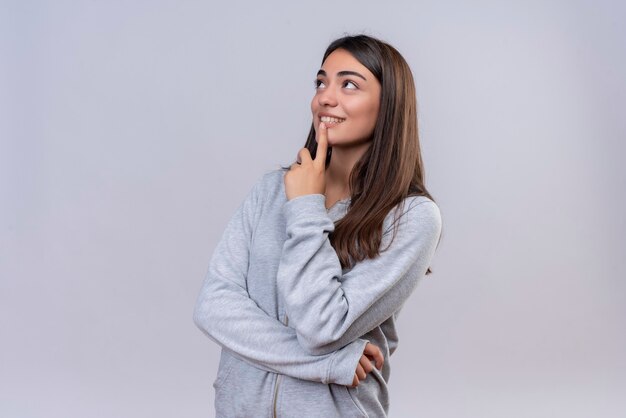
[371,352]
[307,176]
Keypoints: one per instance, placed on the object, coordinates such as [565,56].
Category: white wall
[130,131]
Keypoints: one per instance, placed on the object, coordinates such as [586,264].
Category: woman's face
[347,99]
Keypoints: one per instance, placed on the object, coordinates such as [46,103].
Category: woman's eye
[319,84]
[350,85]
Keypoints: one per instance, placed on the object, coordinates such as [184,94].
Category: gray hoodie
[291,322]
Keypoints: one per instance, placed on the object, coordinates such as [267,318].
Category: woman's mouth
[330,121]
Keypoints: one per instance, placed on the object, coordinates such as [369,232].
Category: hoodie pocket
[223,370]
[241,390]
[357,409]
[302,398]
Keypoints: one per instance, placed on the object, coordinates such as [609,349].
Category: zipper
[276,393]
[278,378]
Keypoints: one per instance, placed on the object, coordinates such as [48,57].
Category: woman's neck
[338,172]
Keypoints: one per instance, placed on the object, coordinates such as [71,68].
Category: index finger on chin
[322,144]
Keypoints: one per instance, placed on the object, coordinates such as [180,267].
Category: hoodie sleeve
[329,308]
[225,313]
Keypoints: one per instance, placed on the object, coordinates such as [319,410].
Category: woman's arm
[329,309]
[225,313]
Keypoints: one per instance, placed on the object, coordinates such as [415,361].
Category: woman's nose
[327,97]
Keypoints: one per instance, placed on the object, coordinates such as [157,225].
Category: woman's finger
[360,372]
[355,381]
[374,353]
[304,156]
[322,145]
[366,364]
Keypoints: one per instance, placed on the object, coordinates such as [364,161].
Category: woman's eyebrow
[342,74]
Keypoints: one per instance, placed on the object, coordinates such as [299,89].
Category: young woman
[303,290]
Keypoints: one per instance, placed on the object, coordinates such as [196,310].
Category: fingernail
[322,125]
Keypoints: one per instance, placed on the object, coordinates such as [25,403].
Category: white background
[131,130]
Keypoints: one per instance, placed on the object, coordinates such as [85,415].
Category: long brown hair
[391,169]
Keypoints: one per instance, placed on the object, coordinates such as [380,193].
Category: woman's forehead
[341,60]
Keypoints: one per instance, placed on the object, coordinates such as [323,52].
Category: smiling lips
[330,121]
